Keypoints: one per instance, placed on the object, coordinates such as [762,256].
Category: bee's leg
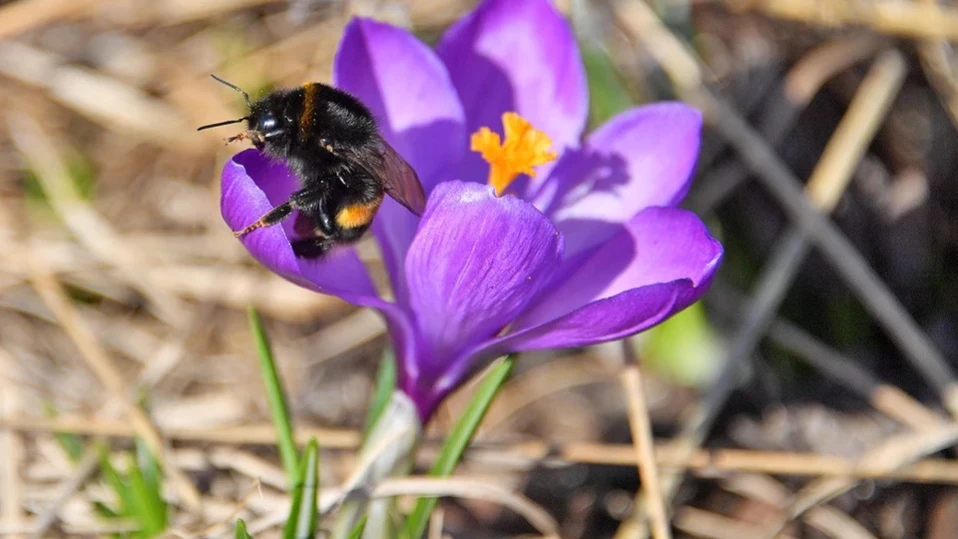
[312,247]
[303,200]
[316,205]
[274,216]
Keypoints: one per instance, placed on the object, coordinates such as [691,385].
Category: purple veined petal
[659,263]
[476,262]
[252,185]
[516,55]
[641,158]
[407,88]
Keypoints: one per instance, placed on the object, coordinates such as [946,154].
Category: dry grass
[121,280]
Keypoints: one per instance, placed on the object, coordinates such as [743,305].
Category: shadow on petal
[581,174]
[641,158]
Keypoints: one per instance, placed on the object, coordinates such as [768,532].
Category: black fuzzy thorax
[315,115]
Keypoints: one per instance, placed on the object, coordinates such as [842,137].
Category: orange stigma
[524,148]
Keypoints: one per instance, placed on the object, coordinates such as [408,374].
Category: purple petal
[641,158]
[516,55]
[660,262]
[475,264]
[252,186]
[407,88]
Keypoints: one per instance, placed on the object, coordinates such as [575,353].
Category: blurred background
[829,171]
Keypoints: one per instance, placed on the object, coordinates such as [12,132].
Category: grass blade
[357,532]
[610,95]
[148,506]
[240,532]
[457,442]
[385,384]
[301,523]
[122,490]
[276,396]
[150,468]
[71,444]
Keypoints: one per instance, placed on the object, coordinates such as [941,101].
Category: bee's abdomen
[357,215]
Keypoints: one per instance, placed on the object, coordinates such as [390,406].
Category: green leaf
[150,467]
[276,396]
[148,507]
[385,384]
[683,348]
[241,532]
[301,523]
[457,442]
[71,444]
[81,172]
[608,93]
[120,487]
[357,532]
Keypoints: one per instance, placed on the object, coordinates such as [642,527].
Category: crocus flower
[533,237]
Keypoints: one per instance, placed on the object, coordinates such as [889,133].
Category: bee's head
[270,128]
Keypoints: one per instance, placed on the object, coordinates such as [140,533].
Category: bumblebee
[331,142]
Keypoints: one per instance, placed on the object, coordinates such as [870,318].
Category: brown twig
[891,17]
[829,520]
[936,61]
[891,455]
[701,523]
[641,426]
[855,131]
[241,434]
[535,452]
[435,524]
[472,489]
[462,487]
[11,448]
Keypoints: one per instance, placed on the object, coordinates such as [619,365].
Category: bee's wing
[397,178]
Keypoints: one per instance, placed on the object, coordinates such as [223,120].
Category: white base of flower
[387,452]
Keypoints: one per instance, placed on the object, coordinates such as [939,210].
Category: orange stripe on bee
[309,94]
[357,215]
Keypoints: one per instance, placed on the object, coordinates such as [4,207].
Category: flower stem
[386,452]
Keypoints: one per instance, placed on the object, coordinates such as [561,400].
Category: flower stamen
[525,147]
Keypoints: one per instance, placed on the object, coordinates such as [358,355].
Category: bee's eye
[266,123]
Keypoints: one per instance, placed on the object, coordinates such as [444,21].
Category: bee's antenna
[218,124]
[233,86]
